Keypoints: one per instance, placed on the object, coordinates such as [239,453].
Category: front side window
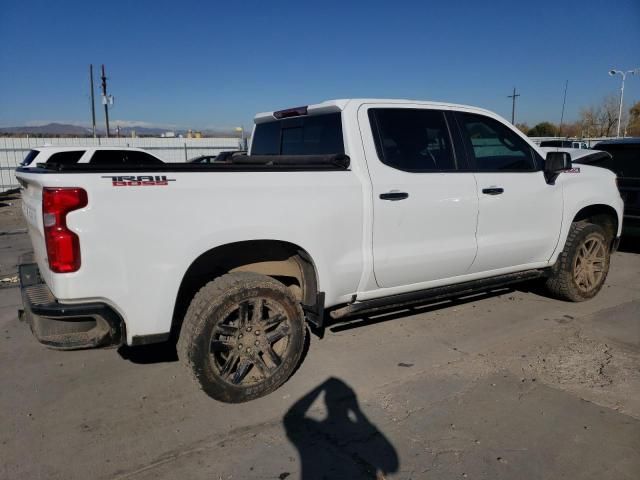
[413,140]
[304,135]
[494,146]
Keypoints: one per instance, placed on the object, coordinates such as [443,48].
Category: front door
[520,214]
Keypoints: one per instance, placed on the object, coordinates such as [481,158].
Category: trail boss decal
[140,180]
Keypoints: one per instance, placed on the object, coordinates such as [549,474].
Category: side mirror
[556,163]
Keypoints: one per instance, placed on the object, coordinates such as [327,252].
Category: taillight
[63,246]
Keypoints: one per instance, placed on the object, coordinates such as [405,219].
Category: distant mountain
[49,129]
[65,130]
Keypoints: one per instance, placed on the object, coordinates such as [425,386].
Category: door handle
[493,190]
[394,196]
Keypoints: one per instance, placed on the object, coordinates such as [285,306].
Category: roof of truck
[338,105]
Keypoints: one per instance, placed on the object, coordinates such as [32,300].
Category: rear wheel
[242,336]
[583,265]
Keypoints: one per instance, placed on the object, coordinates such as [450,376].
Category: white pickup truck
[339,209]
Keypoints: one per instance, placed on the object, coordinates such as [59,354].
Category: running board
[438,293]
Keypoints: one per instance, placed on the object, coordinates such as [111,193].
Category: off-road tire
[562,283]
[208,314]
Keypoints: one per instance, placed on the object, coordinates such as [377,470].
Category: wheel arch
[284,261]
[600,214]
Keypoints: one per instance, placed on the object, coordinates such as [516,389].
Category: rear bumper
[66,326]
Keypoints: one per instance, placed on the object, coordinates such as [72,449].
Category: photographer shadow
[343,445]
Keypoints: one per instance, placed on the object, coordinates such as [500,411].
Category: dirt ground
[505,385]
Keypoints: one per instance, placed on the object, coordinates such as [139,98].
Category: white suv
[92,155]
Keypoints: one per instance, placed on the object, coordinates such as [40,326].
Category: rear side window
[494,146]
[414,140]
[66,158]
[305,135]
[31,156]
[123,157]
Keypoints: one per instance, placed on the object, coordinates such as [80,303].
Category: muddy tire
[242,336]
[582,266]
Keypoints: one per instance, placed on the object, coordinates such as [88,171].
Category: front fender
[587,186]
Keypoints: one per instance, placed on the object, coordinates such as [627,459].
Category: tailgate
[31,190]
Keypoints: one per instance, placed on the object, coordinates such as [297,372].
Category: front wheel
[242,337]
[583,265]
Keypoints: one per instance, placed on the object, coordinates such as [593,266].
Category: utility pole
[93,103]
[513,105]
[105,99]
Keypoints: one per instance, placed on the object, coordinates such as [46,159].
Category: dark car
[625,162]
[563,143]
[204,159]
[221,157]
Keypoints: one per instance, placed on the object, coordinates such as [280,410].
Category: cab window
[413,140]
[492,146]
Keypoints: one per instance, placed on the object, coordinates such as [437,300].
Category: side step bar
[438,293]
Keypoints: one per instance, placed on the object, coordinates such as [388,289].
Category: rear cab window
[303,135]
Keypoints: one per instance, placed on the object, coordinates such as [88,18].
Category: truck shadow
[428,306]
[147,354]
[630,244]
[166,352]
[344,444]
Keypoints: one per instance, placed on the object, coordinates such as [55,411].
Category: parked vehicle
[203,159]
[563,143]
[343,208]
[220,157]
[582,155]
[626,165]
[92,155]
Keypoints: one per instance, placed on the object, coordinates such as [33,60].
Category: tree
[523,127]
[601,120]
[570,130]
[633,128]
[543,129]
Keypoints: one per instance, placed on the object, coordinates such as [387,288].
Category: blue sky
[215,64]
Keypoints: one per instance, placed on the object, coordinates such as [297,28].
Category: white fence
[13,150]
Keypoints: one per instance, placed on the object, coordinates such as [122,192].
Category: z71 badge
[140,180]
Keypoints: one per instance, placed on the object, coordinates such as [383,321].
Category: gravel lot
[506,385]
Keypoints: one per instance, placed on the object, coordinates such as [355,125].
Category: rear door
[425,204]
[520,215]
